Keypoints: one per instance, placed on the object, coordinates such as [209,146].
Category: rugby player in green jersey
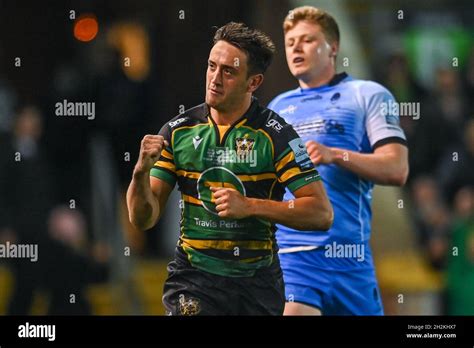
[232,160]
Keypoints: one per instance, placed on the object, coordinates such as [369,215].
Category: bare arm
[310,210]
[147,196]
[388,165]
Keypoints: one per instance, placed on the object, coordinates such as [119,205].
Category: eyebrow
[300,36]
[223,65]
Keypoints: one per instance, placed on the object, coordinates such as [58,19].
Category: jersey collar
[337,78]
[248,115]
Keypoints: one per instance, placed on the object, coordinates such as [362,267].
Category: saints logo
[244,146]
[189,306]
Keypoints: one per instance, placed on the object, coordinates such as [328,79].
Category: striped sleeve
[293,166]
[165,168]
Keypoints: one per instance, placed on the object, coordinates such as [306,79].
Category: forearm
[143,208]
[304,213]
[380,168]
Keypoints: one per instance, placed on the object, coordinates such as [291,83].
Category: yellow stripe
[240,123]
[227,244]
[166,154]
[253,259]
[167,165]
[290,173]
[285,160]
[191,199]
[257,177]
[271,189]
[243,177]
[192,175]
[267,135]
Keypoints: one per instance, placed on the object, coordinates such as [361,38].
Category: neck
[319,80]
[227,117]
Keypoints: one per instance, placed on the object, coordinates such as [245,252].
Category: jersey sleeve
[293,166]
[382,120]
[165,168]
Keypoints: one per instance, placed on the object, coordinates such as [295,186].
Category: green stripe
[299,182]
[163,174]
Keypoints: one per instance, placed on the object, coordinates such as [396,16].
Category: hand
[319,154]
[150,151]
[230,203]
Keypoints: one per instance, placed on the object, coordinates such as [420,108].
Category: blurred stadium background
[148,60]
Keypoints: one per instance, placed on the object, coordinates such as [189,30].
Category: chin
[300,75]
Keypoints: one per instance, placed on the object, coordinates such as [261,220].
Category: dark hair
[258,46]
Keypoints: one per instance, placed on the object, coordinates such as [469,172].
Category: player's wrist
[140,172]
[252,207]
[336,155]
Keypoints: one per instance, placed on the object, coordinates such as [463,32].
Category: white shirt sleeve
[382,117]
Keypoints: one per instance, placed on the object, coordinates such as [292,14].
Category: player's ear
[254,82]
[334,49]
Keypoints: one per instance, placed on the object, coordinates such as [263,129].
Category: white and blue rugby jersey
[349,114]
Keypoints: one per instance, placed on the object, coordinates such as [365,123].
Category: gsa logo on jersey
[335,97]
[178,121]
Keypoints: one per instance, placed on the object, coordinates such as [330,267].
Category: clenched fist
[150,151]
[230,203]
[319,153]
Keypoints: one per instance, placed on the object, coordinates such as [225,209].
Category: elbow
[323,219]
[136,223]
[139,224]
[400,177]
[328,219]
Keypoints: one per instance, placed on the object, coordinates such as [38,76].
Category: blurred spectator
[27,196]
[460,271]
[405,88]
[26,180]
[400,81]
[469,77]
[456,168]
[66,281]
[7,102]
[432,220]
[443,115]
[63,270]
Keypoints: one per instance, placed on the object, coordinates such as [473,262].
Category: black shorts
[190,291]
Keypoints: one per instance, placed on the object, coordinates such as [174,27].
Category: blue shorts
[310,278]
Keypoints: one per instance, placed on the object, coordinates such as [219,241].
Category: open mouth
[298,60]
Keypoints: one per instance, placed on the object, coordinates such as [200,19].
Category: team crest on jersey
[189,306]
[244,146]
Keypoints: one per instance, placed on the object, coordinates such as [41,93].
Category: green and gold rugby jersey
[259,155]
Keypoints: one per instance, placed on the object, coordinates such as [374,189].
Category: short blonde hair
[309,13]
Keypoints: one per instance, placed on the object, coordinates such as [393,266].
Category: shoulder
[275,126]
[195,115]
[282,97]
[366,88]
